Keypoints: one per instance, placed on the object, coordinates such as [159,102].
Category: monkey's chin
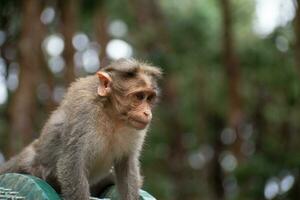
[138,124]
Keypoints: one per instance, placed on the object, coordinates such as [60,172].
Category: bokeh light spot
[228,161]
[13,76]
[90,60]
[271,189]
[287,183]
[271,14]
[282,44]
[3,90]
[58,93]
[2,67]
[54,45]
[48,15]
[117,28]
[228,136]
[80,41]
[2,37]
[56,64]
[196,160]
[118,49]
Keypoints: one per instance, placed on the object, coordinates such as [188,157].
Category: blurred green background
[228,124]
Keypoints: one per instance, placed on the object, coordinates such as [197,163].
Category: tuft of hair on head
[131,66]
[152,70]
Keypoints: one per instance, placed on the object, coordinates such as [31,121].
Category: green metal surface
[15,186]
[112,194]
[19,186]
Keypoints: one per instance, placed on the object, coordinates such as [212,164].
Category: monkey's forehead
[141,82]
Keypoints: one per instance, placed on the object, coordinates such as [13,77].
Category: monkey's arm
[71,172]
[128,177]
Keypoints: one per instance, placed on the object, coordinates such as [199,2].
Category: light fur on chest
[113,147]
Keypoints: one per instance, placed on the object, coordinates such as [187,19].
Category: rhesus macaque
[100,124]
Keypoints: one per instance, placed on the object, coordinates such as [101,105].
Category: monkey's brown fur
[100,124]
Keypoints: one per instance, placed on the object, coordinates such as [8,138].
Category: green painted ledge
[15,186]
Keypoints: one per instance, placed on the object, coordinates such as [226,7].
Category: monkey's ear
[105,83]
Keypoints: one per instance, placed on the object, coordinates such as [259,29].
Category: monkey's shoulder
[83,86]
[57,117]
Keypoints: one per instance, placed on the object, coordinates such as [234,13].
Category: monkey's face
[132,90]
[140,112]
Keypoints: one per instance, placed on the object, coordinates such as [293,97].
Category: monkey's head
[131,88]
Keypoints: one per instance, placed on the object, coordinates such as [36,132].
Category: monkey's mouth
[138,124]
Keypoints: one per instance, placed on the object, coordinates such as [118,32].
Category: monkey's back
[58,131]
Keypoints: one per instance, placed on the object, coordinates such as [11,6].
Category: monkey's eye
[129,74]
[151,98]
[140,96]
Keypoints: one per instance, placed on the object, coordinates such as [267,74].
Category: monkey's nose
[146,114]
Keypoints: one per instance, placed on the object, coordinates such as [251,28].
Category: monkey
[99,127]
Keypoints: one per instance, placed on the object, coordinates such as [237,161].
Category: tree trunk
[23,104]
[259,120]
[101,24]
[69,15]
[50,82]
[177,151]
[231,65]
